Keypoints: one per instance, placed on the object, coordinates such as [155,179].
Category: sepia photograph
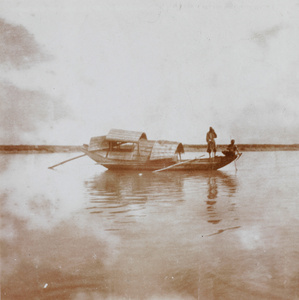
[149,150]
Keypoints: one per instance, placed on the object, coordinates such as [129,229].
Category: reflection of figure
[219,184]
[231,149]
[212,191]
[210,137]
[212,195]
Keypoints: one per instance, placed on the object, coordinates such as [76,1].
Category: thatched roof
[165,149]
[119,135]
[98,143]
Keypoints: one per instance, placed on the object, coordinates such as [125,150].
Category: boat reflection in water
[131,194]
[126,197]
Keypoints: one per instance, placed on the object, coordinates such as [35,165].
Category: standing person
[211,135]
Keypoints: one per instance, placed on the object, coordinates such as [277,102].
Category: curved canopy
[165,149]
[119,135]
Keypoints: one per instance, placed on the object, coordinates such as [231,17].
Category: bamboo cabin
[133,145]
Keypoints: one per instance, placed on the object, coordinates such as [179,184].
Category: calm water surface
[80,232]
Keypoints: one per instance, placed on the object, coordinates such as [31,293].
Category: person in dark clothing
[231,149]
[210,137]
[180,150]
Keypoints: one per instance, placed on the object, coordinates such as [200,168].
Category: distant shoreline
[246,147]
[188,148]
[38,148]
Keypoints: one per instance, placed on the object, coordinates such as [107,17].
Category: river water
[80,232]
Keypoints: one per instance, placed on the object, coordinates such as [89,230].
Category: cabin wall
[145,149]
[164,149]
[120,155]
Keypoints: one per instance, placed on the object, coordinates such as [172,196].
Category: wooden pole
[63,162]
[235,161]
[177,164]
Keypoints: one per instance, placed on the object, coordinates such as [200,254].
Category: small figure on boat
[231,149]
[211,135]
[180,151]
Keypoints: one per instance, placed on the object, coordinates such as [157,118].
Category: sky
[73,69]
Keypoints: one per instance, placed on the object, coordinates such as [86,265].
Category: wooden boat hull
[152,165]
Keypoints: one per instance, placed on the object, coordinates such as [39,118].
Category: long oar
[177,164]
[63,162]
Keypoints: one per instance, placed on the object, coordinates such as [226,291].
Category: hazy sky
[72,69]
